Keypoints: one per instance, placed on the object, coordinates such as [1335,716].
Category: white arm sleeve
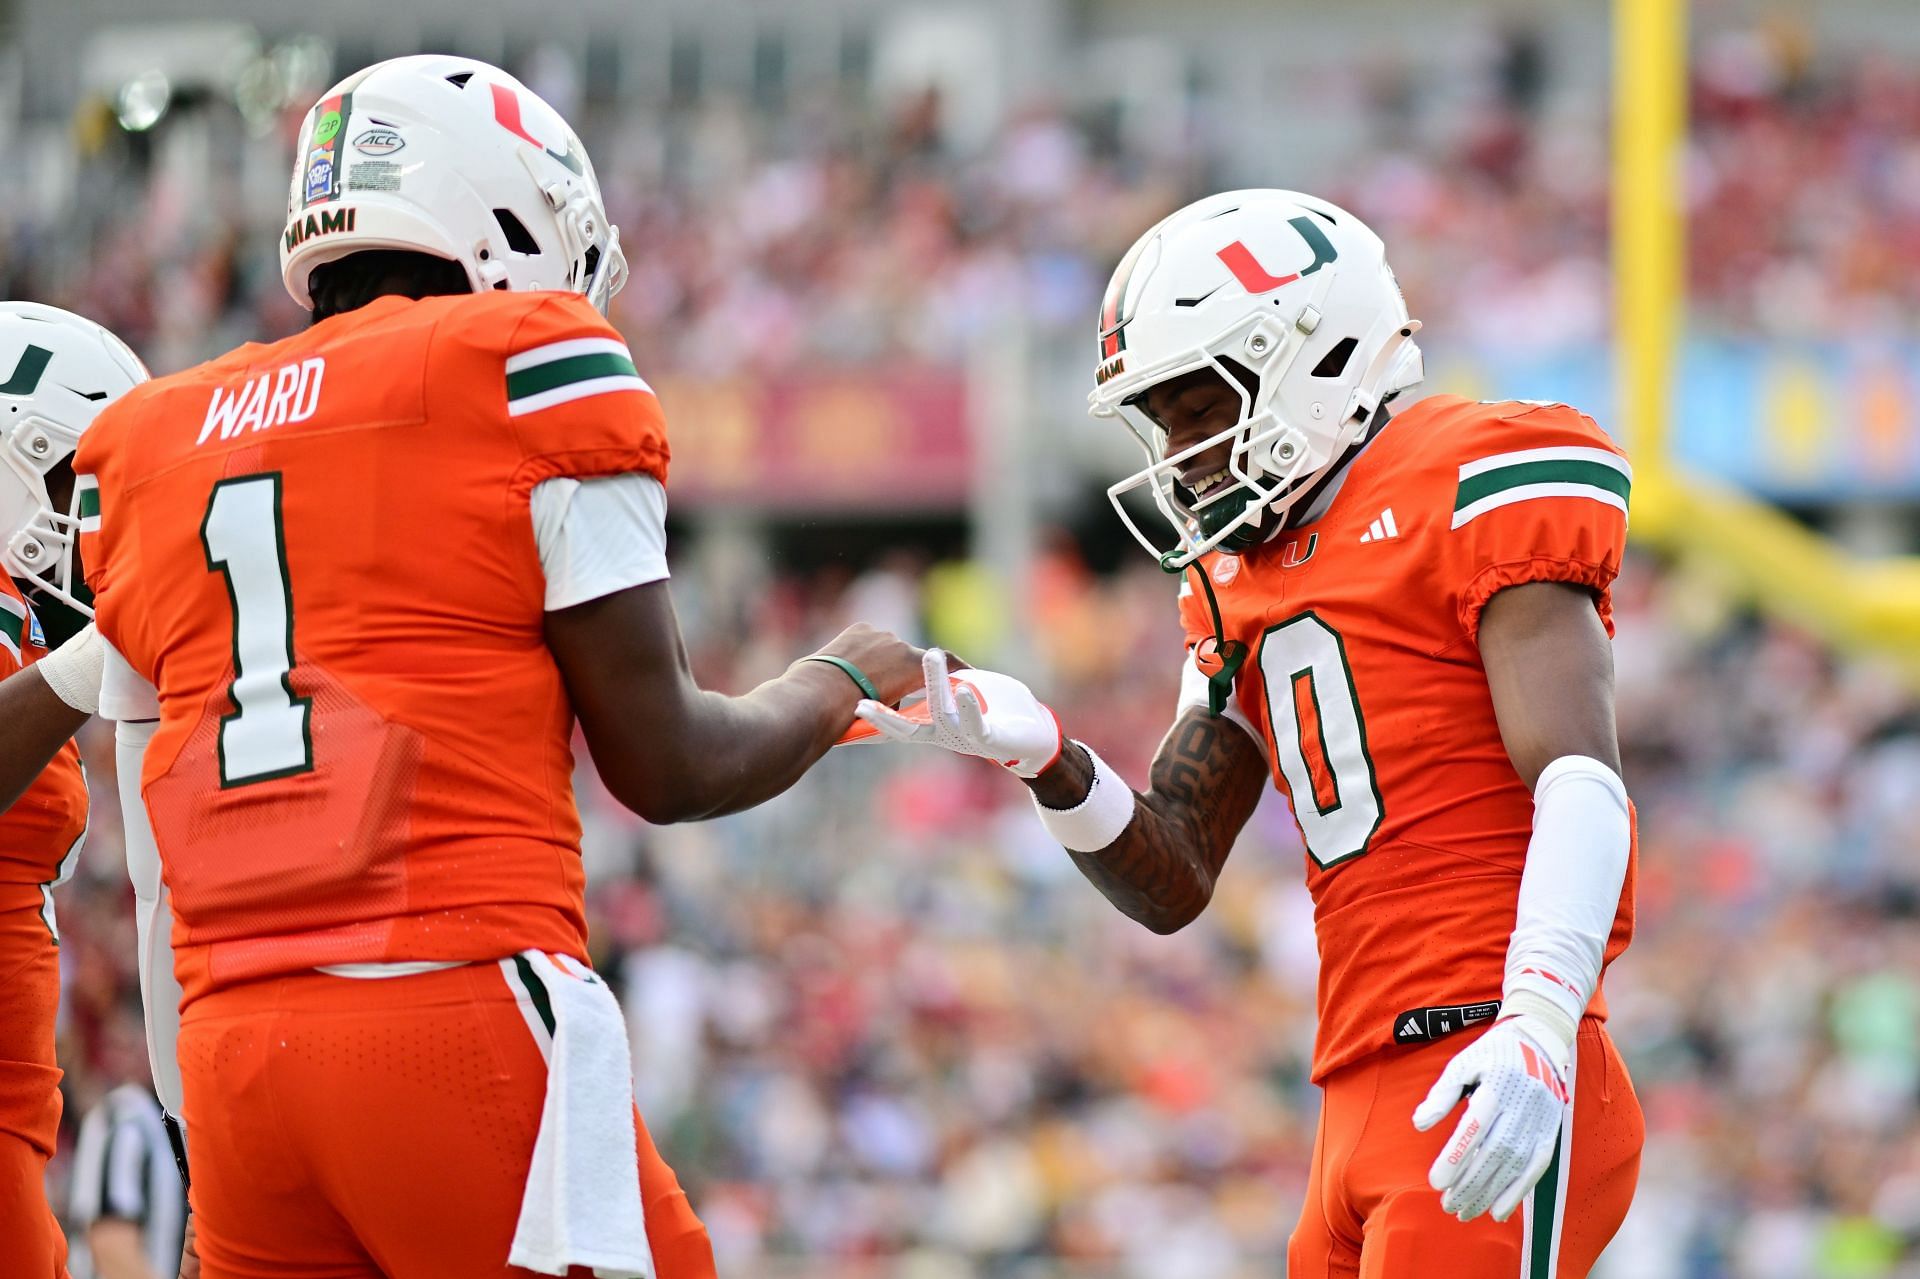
[1570,889]
[126,697]
[599,536]
[1193,692]
[153,920]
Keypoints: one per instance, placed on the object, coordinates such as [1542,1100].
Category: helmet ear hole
[519,239]
[1334,362]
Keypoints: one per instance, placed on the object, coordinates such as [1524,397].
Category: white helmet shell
[455,158]
[61,370]
[1274,284]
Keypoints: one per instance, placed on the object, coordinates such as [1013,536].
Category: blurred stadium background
[881,1026]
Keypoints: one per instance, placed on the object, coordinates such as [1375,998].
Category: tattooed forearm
[1206,781]
[1193,741]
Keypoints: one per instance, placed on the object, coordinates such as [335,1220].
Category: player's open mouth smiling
[1201,486]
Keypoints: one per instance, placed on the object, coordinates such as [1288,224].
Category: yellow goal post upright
[1783,566]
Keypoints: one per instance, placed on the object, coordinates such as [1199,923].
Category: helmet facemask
[41,548]
[1270,463]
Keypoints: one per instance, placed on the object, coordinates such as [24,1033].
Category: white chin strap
[1396,366]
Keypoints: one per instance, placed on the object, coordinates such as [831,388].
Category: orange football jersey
[322,555]
[40,834]
[1364,680]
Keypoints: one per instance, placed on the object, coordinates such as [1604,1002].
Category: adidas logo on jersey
[1382,528]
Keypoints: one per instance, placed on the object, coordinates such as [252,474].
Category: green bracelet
[854,673]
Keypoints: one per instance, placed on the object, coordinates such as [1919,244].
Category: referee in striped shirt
[128,1204]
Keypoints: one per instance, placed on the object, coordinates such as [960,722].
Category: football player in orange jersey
[359,583]
[1402,617]
[60,371]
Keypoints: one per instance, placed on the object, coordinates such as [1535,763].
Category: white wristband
[73,670]
[1099,819]
[1546,1015]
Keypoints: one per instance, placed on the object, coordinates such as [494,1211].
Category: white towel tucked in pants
[582,1204]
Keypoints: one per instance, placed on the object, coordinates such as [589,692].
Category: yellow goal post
[1861,605]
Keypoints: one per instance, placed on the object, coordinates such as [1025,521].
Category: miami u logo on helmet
[1255,278]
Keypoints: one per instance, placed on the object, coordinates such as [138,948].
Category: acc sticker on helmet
[379,142]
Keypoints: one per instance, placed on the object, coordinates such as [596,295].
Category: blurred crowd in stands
[1802,177]
[882,1023]
[831,233]
[884,1018]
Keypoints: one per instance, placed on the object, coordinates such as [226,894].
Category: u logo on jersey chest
[1298,552]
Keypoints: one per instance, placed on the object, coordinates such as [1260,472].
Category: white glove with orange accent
[1517,1075]
[974,712]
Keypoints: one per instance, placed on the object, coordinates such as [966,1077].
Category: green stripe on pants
[1545,1200]
[536,990]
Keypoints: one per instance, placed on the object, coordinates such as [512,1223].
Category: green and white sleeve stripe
[560,372]
[13,624]
[1505,478]
[86,489]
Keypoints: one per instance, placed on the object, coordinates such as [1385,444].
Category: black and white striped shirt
[123,1169]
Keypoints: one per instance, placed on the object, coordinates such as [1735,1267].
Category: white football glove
[73,671]
[974,712]
[1517,1073]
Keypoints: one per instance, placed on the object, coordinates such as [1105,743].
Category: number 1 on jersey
[267,734]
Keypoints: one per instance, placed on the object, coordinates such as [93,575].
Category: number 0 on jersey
[1319,738]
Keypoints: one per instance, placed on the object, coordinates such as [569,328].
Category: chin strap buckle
[1219,660]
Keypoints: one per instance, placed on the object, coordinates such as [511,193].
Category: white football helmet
[1290,300]
[64,370]
[451,157]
